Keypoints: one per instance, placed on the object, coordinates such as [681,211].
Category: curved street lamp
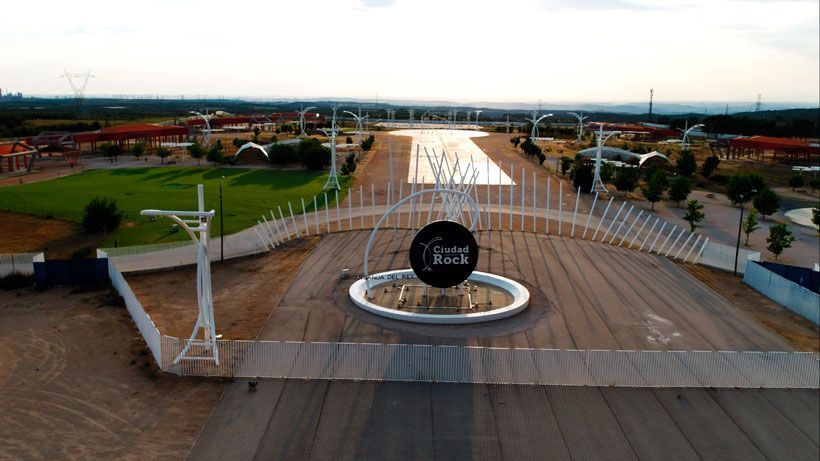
[684,143]
[302,119]
[359,119]
[535,121]
[581,119]
[206,133]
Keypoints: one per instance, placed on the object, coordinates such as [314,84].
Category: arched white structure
[581,119]
[302,119]
[535,121]
[253,145]
[464,196]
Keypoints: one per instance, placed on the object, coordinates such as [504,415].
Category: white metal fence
[541,208]
[145,325]
[21,263]
[783,291]
[464,364]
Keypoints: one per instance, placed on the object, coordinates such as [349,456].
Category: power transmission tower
[651,97]
[78,82]
[759,103]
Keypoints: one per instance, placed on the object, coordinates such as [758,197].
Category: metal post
[316,214]
[523,195]
[674,228]
[614,220]
[589,216]
[361,206]
[327,215]
[684,246]
[547,214]
[373,204]
[221,225]
[621,225]
[534,188]
[603,216]
[304,218]
[643,242]
[638,233]
[669,250]
[739,228]
[293,218]
[512,181]
[349,209]
[560,206]
[575,213]
[657,236]
[338,214]
[500,172]
[284,222]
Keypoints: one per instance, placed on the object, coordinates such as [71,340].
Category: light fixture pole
[597,184]
[684,143]
[302,119]
[581,119]
[535,121]
[332,179]
[476,120]
[206,133]
[739,228]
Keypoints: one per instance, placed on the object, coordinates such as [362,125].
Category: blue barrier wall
[55,272]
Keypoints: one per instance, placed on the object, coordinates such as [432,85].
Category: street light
[581,119]
[476,120]
[684,144]
[206,133]
[597,183]
[739,227]
[535,121]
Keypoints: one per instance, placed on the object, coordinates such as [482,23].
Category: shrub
[607,172]
[694,214]
[138,149]
[655,185]
[566,164]
[313,155]
[766,202]
[679,188]
[626,178]
[16,280]
[686,164]
[709,166]
[796,181]
[582,175]
[719,179]
[283,154]
[101,215]
[780,238]
[740,187]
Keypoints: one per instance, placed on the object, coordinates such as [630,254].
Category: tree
[780,238]
[582,175]
[815,216]
[215,153]
[367,144]
[313,155]
[101,215]
[607,172]
[566,164]
[740,187]
[694,214]
[655,185]
[349,167]
[709,166]
[256,132]
[766,202]
[686,164]
[138,149]
[163,153]
[796,181]
[515,141]
[626,178]
[283,154]
[237,142]
[679,189]
[111,150]
[196,150]
[750,225]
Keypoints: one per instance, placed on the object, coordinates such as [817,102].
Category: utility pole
[221,225]
[651,97]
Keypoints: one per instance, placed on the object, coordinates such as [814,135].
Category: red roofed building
[783,149]
[151,134]
[639,131]
[15,156]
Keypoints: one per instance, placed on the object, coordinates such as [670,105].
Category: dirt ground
[24,233]
[77,382]
[245,291]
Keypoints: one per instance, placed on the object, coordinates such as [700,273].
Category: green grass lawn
[248,194]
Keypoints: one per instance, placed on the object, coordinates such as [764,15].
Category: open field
[77,382]
[248,193]
[58,238]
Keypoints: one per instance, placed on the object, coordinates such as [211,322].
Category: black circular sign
[443,254]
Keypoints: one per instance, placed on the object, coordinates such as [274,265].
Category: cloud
[598,5]
[377,3]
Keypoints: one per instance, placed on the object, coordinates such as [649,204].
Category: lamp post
[535,121]
[684,143]
[739,228]
[206,133]
[597,183]
[302,119]
[581,119]
[476,120]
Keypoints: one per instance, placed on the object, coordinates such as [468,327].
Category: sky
[435,50]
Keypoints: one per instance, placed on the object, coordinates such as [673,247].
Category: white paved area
[456,145]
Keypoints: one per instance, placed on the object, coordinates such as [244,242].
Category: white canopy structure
[612,153]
